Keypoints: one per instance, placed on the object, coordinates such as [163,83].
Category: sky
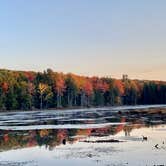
[86,37]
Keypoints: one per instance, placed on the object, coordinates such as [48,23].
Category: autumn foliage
[20,90]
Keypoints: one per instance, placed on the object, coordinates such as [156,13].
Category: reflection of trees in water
[48,138]
[52,138]
[127,130]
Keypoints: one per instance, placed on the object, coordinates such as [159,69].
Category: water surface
[92,137]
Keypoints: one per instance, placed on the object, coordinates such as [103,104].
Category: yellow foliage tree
[42,89]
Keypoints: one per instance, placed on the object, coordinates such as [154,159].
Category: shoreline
[111,108]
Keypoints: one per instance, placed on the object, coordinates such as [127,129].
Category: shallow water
[91,137]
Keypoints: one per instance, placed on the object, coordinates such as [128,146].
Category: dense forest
[24,90]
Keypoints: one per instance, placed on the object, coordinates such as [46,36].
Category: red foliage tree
[5,87]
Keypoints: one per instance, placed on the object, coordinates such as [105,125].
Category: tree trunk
[57,97]
[41,101]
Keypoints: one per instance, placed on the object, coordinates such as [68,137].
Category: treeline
[22,90]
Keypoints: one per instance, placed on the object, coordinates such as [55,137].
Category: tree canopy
[27,90]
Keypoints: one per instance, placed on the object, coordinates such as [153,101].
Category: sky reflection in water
[69,146]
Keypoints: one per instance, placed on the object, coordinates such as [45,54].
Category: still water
[116,136]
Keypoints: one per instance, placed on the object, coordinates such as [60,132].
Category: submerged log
[103,141]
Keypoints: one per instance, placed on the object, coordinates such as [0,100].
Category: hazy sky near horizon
[87,37]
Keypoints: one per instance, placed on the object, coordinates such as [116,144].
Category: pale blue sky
[88,37]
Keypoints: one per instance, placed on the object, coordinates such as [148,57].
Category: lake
[110,136]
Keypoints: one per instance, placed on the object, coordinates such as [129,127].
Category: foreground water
[120,136]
